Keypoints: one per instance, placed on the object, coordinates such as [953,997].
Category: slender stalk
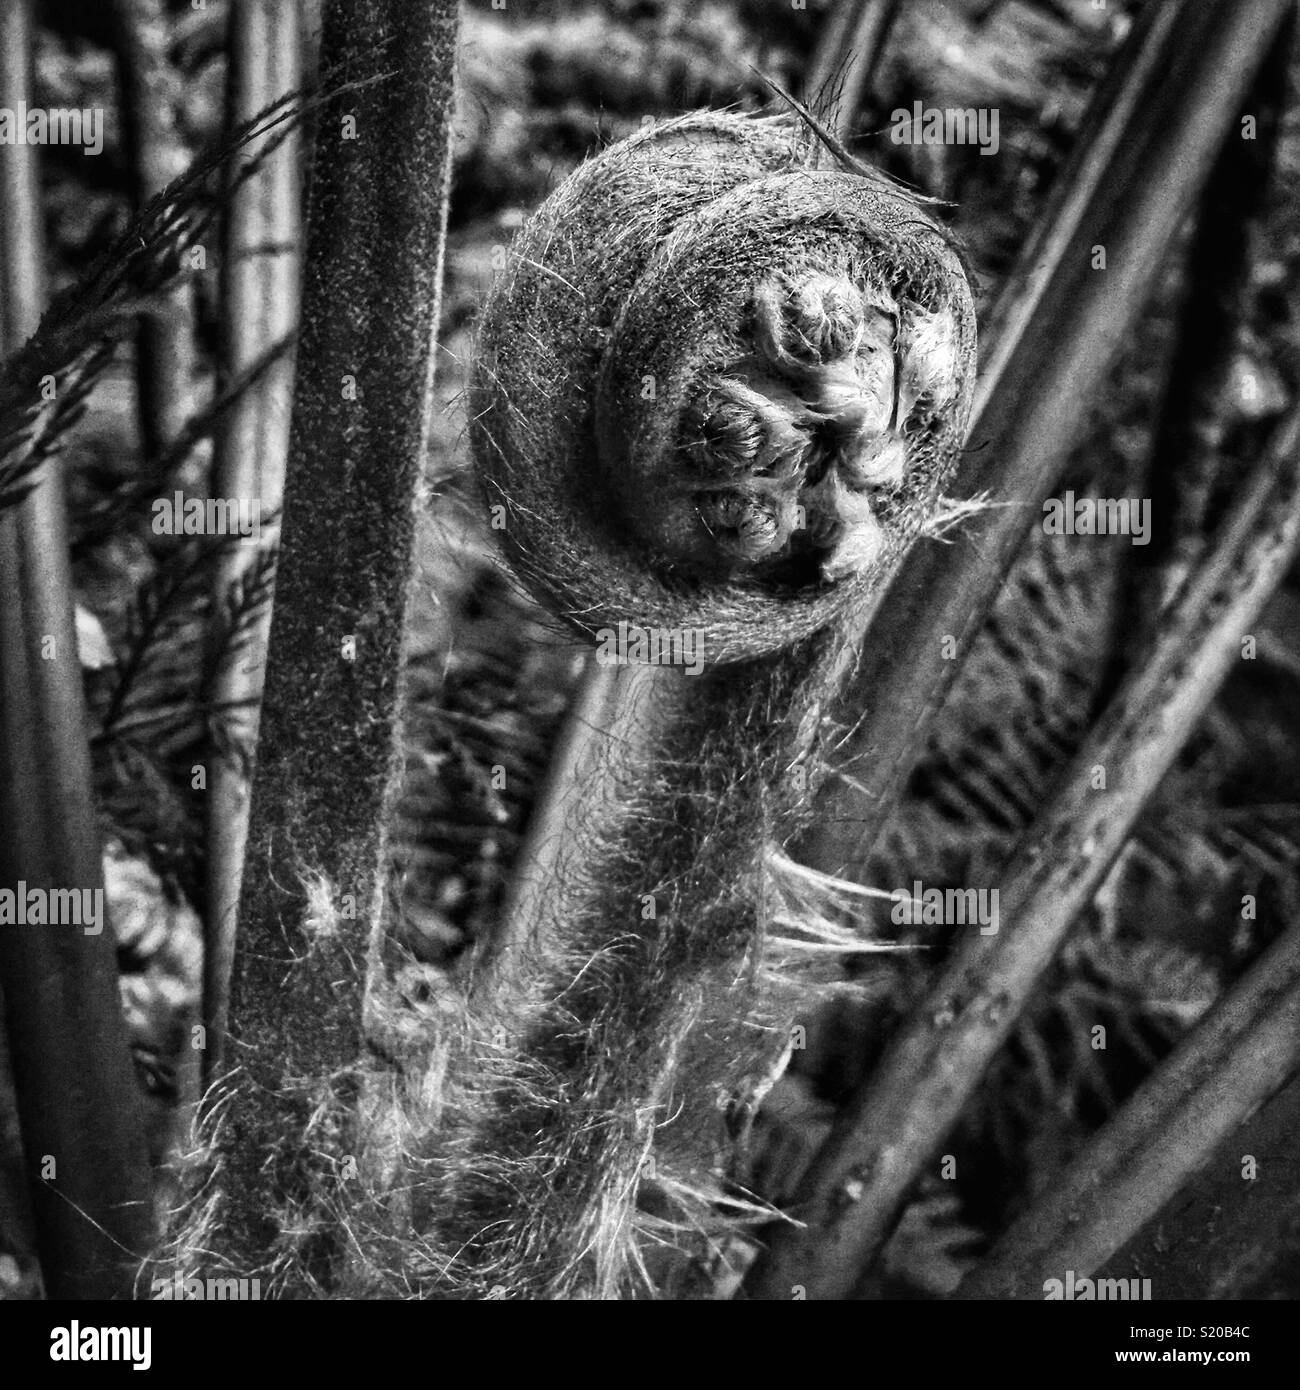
[140,32]
[327,755]
[1224,1069]
[599,732]
[1213,1238]
[1158,129]
[77,1100]
[887,1133]
[17,1223]
[259,308]
[1189,448]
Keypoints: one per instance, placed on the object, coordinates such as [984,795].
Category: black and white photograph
[650,652]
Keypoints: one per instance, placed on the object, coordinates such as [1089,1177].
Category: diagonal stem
[1224,1069]
[1158,130]
[1209,1240]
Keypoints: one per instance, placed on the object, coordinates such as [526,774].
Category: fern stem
[1235,1058]
[327,753]
[1217,1237]
[78,1105]
[1188,453]
[259,307]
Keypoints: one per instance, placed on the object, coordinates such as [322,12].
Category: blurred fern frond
[129,496]
[45,384]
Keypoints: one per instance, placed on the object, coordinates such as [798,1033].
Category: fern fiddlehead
[717,392]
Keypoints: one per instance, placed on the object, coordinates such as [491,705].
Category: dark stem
[1218,1237]
[78,1106]
[1233,1060]
[327,753]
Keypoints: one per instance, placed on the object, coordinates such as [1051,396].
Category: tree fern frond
[130,495]
[44,385]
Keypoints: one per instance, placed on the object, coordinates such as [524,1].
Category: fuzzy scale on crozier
[716,388]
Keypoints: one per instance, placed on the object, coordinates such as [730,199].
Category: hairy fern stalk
[717,391]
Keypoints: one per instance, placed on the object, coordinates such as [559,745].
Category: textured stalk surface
[327,756]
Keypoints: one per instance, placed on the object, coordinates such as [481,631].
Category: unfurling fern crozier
[717,389]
